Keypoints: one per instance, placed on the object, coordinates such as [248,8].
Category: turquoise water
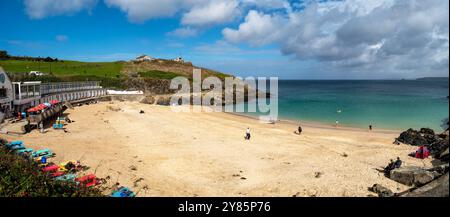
[396,105]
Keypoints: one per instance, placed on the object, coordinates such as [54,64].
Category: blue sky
[351,39]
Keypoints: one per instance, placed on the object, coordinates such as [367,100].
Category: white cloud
[211,13]
[269,4]
[38,9]
[139,11]
[184,32]
[258,29]
[386,35]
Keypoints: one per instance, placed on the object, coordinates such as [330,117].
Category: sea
[384,104]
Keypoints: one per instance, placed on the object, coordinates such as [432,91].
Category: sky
[295,39]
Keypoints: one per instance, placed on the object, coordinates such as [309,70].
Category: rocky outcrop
[381,191]
[163,100]
[416,176]
[148,100]
[436,188]
[417,138]
[436,143]
[151,86]
[412,176]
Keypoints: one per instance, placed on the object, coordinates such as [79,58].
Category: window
[16,90]
[37,90]
[3,93]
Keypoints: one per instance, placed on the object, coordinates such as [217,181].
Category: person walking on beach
[337,123]
[247,134]
[300,130]
[370,127]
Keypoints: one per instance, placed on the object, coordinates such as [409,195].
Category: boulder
[412,137]
[444,156]
[438,148]
[381,191]
[163,100]
[436,143]
[148,100]
[436,188]
[413,176]
[427,131]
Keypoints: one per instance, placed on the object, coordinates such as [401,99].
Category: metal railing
[49,88]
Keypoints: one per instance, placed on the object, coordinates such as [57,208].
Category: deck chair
[88,180]
[23,151]
[14,143]
[40,153]
[67,177]
[123,192]
[17,147]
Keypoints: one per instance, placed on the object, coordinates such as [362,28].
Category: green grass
[160,75]
[20,177]
[65,68]
[108,73]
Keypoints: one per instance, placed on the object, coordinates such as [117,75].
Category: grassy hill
[65,68]
[111,74]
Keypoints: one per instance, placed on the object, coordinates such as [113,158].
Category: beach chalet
[144,58]
[20,96]
[6,93]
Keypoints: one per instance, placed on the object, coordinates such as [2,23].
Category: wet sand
[163,153]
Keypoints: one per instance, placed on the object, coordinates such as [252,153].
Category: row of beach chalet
[28,97]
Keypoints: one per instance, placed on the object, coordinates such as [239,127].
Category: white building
[144,58]
[6,92]
[179,59]
[26,94]
[19,96]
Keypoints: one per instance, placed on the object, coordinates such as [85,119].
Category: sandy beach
[162,153]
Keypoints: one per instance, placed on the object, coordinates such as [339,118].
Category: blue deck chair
[40,153]
[67,177]
[27,150]
[123,192]
[16,147]
[14,143]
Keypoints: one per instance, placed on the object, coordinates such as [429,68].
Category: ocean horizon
[384,104]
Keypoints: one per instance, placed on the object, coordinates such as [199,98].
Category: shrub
[20,177]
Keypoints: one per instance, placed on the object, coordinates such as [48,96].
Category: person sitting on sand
[247,134]
[390,166]
[398,163]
